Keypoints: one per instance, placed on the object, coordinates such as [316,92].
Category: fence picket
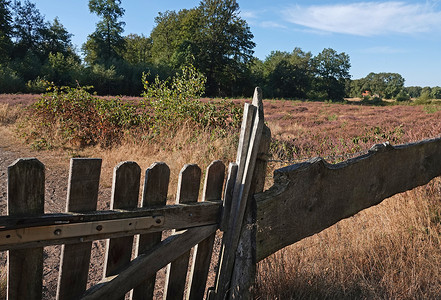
[202,252]
[156,181]
[125,193]
[25,198]
[82,196]
[246,160]
[188,191]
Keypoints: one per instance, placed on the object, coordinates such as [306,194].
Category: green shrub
[402,96]
[423,99]
[73,116]
[175,101]
[10,81]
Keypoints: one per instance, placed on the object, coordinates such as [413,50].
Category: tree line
[212,37]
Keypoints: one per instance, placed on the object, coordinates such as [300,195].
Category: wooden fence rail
[305,199]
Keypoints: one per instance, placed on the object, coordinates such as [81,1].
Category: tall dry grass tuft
[188,144]
[390,251]
[9,113]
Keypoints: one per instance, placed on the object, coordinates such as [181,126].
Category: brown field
[388,251]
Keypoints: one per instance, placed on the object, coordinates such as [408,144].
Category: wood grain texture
[309,197]
[148,263]
[25,198]
[188,191]
[214,182]
[174,216]
[125,194]
[156,183]
[84,177]
[228,195]
[239,203]
[244,270]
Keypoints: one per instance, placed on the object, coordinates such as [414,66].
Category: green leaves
[175,101]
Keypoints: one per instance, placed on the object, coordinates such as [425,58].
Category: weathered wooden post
[251,169]
[25,198]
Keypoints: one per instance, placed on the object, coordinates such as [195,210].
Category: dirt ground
[56,172]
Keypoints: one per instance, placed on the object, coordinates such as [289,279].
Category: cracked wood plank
[311,196]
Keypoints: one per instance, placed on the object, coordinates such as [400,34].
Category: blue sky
[379,36]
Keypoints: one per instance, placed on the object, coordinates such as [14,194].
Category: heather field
[392,250]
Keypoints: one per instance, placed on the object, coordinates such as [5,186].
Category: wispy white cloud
[368,18]
[249,14]
[271,24]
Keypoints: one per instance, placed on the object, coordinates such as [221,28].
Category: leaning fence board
[244,270]
[188,191]
[148,263]
[84,177]
[125,193]
[165,218]
[309,197]
[156,183]
[240,196]
[25,198]
[213,185]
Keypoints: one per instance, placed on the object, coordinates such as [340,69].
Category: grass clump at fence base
[74,118]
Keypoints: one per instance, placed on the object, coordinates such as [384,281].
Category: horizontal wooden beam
[67,228]
[149,263]
[309,197]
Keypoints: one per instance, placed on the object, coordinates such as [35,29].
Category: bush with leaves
[73,116]
[176,100]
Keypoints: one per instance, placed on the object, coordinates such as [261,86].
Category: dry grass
[188,145]
[390,251]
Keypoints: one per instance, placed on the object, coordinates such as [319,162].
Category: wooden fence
[305,199]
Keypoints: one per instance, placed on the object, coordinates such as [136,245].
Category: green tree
[62,70]
[215,34]
[436,92]
[414,91]
[287,74]
[386,85]
[138,49]
[5,30]
[226,44]
[29,30]
[331,70]
[174,35]
[58,40]
[106,44]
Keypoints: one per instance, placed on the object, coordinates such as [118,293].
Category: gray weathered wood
[174,216]
[82,195]
[156,183]
[148,263]
[125,193]
[25,198]
[240,196]
[228,195]
[213,185]
[188,191]
[244,271]
[311,196]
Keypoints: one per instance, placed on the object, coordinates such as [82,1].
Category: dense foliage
[212,36]
[73,117]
